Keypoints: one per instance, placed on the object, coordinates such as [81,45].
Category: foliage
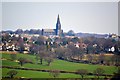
[12,73]
[21,60]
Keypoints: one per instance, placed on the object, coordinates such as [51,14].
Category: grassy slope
[36,74]
[57,64]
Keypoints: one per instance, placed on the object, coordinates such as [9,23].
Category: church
[58,31]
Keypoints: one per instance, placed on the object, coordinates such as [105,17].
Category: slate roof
[48,30]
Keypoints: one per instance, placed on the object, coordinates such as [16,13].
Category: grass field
[36,74]
[56,64]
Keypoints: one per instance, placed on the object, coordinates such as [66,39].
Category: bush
[12,73]
[82,72]
[55,73]
[24,60]
[21,61]
[99,71]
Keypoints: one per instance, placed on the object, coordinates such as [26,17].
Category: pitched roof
[49,30]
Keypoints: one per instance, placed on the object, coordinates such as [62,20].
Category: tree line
[65,48]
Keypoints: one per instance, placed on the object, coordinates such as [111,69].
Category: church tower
[58,26]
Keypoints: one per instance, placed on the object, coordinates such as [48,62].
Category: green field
[36,74]
[56,64]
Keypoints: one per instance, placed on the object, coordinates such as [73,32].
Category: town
[22,41]
[50,45]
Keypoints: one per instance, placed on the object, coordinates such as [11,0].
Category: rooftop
[49,30]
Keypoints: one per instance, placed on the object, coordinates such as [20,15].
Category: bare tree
[116,60]
[60,52]
[37,58]
[63,53]
[55,73]
[99,71]
[21,61]
[81,56]
[75,51]
[21,45]
[89,57]
[82,72]
[41,51]
[101,58]
[49,57]
[41,55]
[49,60]
[67,54]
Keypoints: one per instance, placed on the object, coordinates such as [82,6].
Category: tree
[67,54]
[44,54]
[99,71]
[75,39]
[90,57]
[116,60]
[90,49]
[37,58]
[19,31]
[82,72]
[55,73]
[41,53]
[60,52]
[70,33]
[25,39]
[49,60]
[6,37]
[33,49]
[49,57]
[108,44]
[64,41]
[12,73]
[21,45]
[80,53]
[80,56]
[101,58]
[4,47]
[74,50]
[40,40]
[21,61]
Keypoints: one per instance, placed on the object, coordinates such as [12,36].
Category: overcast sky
[90,17]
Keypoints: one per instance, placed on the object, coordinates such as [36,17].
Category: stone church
[58,31]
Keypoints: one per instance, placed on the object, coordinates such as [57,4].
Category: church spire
[58,19]
[58,25]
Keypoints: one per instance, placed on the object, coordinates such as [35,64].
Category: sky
[86,17]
